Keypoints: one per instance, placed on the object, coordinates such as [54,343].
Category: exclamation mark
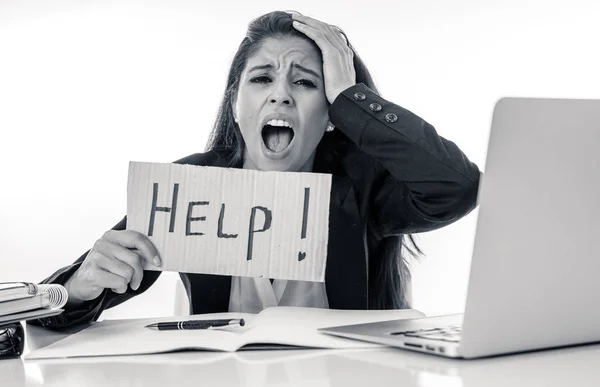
[302,254]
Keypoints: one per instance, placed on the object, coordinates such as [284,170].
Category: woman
[298,98]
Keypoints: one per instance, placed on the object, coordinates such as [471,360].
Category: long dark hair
[389,278]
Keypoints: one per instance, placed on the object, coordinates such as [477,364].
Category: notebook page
[297,326]
[24,304]
[130,337]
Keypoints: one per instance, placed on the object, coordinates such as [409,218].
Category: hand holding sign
[115,262]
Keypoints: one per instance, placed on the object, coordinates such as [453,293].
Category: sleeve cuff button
[391,117]
[375,107]
[360,96]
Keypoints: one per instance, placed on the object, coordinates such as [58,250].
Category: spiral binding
[57,295]
[31,287]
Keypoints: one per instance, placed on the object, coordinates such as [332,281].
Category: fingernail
[135,287]
[156,261]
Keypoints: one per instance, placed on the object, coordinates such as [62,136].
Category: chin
[279,166]
[262,162]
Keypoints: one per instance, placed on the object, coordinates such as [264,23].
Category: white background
[87,86]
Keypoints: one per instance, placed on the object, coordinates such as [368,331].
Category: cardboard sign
[231,221]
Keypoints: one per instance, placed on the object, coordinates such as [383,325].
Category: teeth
[279,123]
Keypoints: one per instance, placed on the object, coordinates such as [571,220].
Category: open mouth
[277,135]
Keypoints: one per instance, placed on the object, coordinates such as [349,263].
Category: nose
[281,94]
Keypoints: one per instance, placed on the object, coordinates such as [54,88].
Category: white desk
[574,366]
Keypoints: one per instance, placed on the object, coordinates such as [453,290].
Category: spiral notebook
[20,301]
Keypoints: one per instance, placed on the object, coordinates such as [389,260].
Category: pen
[195,324]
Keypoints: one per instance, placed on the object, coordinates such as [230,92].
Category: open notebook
[273,328]
[21,301]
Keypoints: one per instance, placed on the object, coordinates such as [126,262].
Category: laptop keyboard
[450,333]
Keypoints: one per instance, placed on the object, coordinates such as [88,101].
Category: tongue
[279,139]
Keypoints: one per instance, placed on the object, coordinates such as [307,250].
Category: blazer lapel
[346,270]
[208,293]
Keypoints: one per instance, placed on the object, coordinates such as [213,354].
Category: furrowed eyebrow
[306,70]
[295,65]
[261,67]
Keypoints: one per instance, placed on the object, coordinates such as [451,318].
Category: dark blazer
[393,175]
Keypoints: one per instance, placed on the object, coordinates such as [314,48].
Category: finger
[319,37]
[134,240]
[328,30]
[341,43]
[292,12]
[318,30]
[331,48]
[308,20]
[112,281]
[340,37]
[114,266]
[328,39]
[134,260]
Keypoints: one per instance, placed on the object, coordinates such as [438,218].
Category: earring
[330,127]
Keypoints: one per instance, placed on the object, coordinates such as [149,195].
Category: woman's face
[281,106]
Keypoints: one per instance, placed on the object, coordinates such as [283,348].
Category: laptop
[534,281]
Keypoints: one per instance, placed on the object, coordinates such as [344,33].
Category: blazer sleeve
[90,310]
[427,181]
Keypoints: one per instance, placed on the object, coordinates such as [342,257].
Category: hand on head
[115,262]
[338,65]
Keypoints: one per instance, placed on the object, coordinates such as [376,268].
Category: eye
[305,83]
[261,79]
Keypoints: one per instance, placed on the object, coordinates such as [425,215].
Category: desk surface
[577,366]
